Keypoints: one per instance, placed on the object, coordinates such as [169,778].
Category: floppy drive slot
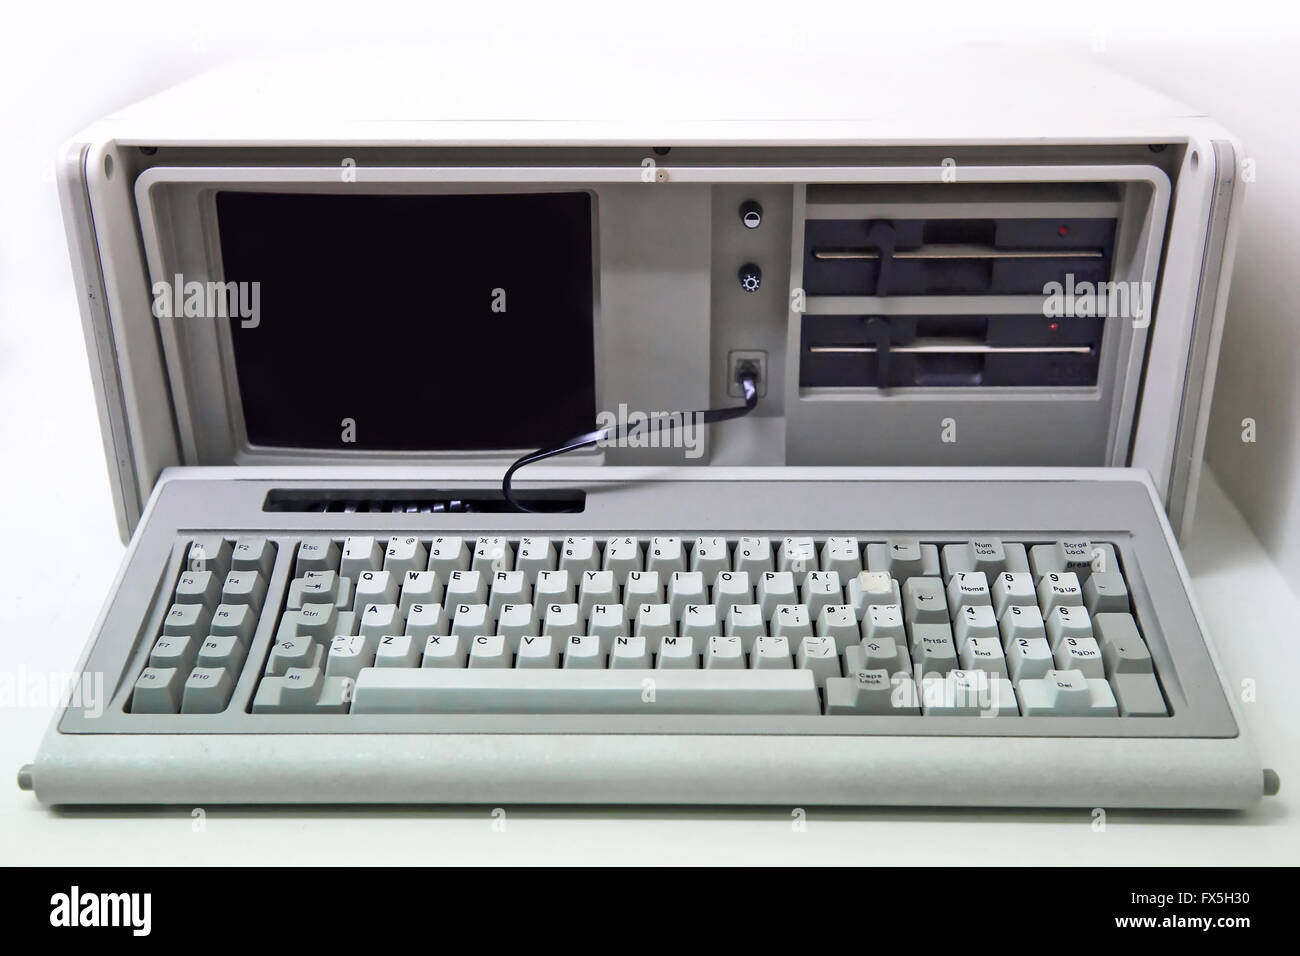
[949,351]
[880,257]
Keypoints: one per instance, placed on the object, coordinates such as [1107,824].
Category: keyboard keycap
[579,691]
[1080,654]
[244,587]
[1067,622]
[405,554]
[210,553]
[967,588]
[903,558]
[665,555]
[538,650]
[361,553]
[877,587]
[1066,694]
[797,555]
[253,554]
[925,601]
[448,554]
[535,554]
[843,556]
[316,554]
[207,690]
[198,587]
[623,555]
[968,693]
[1105,592]
[1058,590]
[724,652]
[1029,658]
[579,554]
[753,556]
[818,654]
[187,620]
[871,692]
[1013,589]
[774,589]
[158,691]
[1138,695]
[771,652]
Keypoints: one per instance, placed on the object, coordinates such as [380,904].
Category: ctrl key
[158,691]
[207,691]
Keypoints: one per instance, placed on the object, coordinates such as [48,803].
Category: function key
[158,691]
[254,554]
[209,553]
[207,690]
[187,620]
[244,587]
[198,587]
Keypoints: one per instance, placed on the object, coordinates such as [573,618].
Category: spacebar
[394,690]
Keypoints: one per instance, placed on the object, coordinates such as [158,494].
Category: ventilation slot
[420,501]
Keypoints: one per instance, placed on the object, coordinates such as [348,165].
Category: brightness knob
[751,277]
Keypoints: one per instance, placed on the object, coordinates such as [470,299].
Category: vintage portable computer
[955,327]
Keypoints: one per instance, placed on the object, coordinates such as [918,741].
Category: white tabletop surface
[59,551]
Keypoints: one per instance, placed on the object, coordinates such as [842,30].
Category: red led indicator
[1063,231]
[1054,326]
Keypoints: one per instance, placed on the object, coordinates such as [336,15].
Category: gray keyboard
[678,636]
[706,624]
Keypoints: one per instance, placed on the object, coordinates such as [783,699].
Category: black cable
[748,381]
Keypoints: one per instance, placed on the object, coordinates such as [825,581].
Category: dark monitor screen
[412,323]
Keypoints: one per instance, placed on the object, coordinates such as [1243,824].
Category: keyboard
[1010,641]
[377,624]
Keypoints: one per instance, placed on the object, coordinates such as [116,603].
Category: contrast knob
[751,214]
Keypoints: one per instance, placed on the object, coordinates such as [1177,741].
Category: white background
[64,65]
